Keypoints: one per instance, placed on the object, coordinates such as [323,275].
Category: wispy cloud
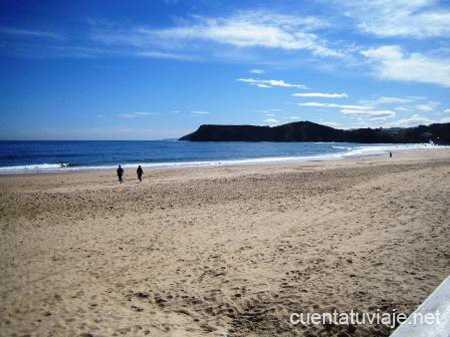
[383,100]
[249,29]
[131,115]
[361,111]
[242,35]
[406,18]
[271,83]
[391,63]
[332,124]
[412,121]
[320,94]
[334,105]
[253,29]
[20,32]
[400,104]
[415,120]
[271,121]
[199,112]
[430,106]
[165,55]
[257,71]
[369,113]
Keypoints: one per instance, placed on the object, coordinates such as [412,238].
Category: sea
[19,157]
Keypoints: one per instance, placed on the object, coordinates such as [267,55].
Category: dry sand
[222,251]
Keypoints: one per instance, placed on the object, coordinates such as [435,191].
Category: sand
[224,251]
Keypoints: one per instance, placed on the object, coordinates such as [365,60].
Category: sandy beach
[222,251]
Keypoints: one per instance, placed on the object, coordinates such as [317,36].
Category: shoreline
[225,163]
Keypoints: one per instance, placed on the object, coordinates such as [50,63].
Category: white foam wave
[380,149]
[342,147]
[358,151]
[32,168]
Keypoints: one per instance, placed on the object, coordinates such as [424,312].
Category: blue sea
[59,156]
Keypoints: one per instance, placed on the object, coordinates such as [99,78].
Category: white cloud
[447,111]
[430,106]
[391,63]
[334,105]
[390,100]
[257,71]
[357,107]
[165,55]
[407,18]
[295,118]
[384,53]
[271,83]
[131,115]
[319,105]
[320,94]
[20,32]
[271,121]
[369,113]
[199,112]
[69,51]
[413,120]
[127,115]
[360,111]
[248,29]
[144,113]
[332,124]
[382,118]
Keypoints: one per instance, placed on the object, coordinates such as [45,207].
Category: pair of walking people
[120,172]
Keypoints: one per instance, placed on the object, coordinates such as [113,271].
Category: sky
[156,69]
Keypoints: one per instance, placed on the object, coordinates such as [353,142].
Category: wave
[342,147]
[348,152]
[32,168]
[380,149]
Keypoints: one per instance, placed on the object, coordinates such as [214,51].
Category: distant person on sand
[140,172]
[390,154]
[120,173]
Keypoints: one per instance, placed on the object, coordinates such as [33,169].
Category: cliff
[312,132]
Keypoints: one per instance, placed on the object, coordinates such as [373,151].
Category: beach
[225,250]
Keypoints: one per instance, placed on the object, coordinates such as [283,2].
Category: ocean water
[49,156]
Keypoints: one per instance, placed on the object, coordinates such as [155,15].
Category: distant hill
[312,132]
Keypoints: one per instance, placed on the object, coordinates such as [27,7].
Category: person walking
[140,172]
[120,173]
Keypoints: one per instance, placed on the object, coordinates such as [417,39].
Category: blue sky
[160,68]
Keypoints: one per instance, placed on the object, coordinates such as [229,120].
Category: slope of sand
[222,251]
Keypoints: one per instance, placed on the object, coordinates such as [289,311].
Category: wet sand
[226,251]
